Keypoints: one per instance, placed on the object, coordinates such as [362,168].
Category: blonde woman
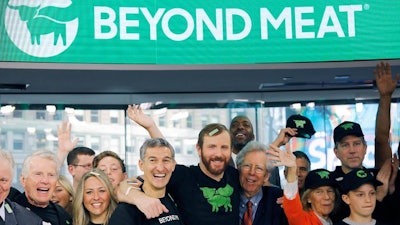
[94,199]
[63,195]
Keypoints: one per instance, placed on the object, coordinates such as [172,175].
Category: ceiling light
[240,100]
[51,109]
[7,109]
[69,110]
[295,106]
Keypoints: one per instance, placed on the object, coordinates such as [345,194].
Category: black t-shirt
[202,200]
[91,223]
[126,214]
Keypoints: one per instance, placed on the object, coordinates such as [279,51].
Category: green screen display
[198,32]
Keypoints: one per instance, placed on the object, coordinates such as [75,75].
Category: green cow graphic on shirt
[218,197]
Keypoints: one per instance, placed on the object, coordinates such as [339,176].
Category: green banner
[198,32]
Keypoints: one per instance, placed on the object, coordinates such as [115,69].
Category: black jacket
[268,211]
[63,218]
[18,215]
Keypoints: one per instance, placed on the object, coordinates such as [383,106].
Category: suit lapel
[10,216]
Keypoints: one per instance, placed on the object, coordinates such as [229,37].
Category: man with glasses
[79,160]
[258,203]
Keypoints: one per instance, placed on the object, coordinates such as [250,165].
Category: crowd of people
[235,182]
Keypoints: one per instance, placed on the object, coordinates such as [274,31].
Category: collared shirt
[255,200]
[2,211]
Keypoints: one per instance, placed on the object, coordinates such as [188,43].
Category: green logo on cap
[323,174]
[361,174]
[299,123]
[347,126]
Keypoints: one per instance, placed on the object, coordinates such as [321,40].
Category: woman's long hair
[81,215]
[68,187]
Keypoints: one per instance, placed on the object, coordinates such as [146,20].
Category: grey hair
[155,142]
[253,146]
[9,158]
[41,154]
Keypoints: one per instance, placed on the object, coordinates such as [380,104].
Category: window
[114,116]
[18,141]
[95,143]
[161,121]
[17,114]
[79,114]
[189,121]
[94,116]
[40,115]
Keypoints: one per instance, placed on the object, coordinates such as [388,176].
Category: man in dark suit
[10,212]
[254,170]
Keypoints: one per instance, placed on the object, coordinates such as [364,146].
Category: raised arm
[151,207]
[65,143]
[284,136]
[386,86]
[136,114]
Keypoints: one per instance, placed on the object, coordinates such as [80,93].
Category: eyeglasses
[87,166]
[257,168]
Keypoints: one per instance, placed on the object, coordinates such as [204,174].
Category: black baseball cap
[347,128]
[357,177]
[304,127]
[318,178]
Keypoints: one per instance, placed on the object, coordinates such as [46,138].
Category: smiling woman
[95,194]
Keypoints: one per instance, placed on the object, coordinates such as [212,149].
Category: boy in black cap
[350,148]
[359,193]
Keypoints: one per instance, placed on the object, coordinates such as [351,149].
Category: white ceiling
[93,84]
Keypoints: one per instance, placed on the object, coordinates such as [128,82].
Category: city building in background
[25,130]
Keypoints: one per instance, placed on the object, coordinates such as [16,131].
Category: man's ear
[198,148]
[336,152]
[22,180]
[141,165]
[71,170]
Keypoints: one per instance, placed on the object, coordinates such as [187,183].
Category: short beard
[214,172]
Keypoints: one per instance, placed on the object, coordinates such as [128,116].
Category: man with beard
[207,193]
[242,132]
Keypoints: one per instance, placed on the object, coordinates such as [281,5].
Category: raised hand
[136,114]
[284,136]
[384,81]
[281,158]
[65,143]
